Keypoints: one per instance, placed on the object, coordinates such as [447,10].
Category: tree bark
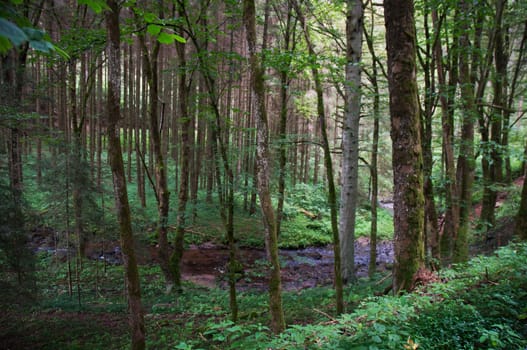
[119,178]
[328,162]
[151,62]
[520,228]
[184,184]
[406,143]
[350,139]
[262,166]
[466,161]
[451,217]
[284,93]
[375,148]
[495,152]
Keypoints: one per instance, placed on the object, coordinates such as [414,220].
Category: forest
[262,174]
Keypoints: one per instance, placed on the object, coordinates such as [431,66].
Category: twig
[326,314]
[383,279]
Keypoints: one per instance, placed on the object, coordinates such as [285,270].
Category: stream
[206,264]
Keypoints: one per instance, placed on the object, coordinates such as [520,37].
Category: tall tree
[406,143]
[183,98]
[446,94]
[151,67]
[350,138]
[466,161]
[115,156]
[328,162]
[262,166]
[493,159]
[520,228]
[374,174]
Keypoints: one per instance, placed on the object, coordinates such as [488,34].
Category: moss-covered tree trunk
[262,167]
[183,96]
[466,161]
[119,179]
[406,143]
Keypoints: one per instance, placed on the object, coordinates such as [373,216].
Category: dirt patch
[301,268]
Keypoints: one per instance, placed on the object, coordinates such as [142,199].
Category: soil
[206,264]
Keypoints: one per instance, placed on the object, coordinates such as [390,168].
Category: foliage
[16,30]
[480,304]
[56,203]
[17,282]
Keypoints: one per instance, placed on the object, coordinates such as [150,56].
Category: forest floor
[205,264]
[58,322]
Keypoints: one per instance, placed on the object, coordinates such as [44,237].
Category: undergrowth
[478,305]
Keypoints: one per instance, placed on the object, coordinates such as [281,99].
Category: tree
[328,162]
[119,180]
[350,138]
[262,166]
[151,65]
[374,81]
[465,165]
[520,228]
[406,143]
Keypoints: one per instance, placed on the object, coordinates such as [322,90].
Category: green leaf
[12,32]
[41,45]
[61,52]
[179,38]
[5,44]
[96,5]
[149,17]
[166,38]
[153,29]
[34,34]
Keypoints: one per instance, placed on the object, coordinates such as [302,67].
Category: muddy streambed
[206,264]
[301,268]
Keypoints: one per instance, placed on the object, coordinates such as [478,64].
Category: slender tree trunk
[374,150]
[350,139]
[495,168]
[262,167]
[284,88]
[406,143]
[151,63]
[119,179]
[183,98]
[451,216]
[328,162]
[466,161]
[520,228]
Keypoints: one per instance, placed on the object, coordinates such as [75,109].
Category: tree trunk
[350,139]
[495,163]
[406,143]
[284,88]
[332,193]
[374,150]
[520,228]
[466,161]
[119,179]
[183,98]
[151,62]
[451,217]
[262,167]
